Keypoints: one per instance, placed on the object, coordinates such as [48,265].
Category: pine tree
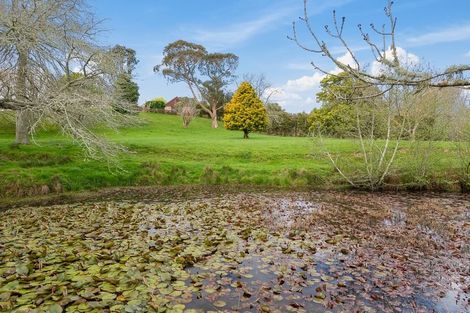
[245,111]
[127,89]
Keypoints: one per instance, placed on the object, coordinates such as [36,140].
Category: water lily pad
[219,304]
[55,308]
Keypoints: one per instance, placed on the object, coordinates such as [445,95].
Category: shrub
[155,104]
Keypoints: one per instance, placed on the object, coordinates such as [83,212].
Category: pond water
[240,252]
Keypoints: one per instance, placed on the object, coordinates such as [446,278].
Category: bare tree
[206,74]
[187,108]
[391,113]
[461,137]
[52,69]
[384,51]
[261,85]
[379,131]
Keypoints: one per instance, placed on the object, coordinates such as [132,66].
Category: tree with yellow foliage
[245,111]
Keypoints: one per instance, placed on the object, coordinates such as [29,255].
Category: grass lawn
[162,152]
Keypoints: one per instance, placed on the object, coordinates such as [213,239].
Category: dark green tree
[127,89]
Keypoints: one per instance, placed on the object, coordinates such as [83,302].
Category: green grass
[162,152]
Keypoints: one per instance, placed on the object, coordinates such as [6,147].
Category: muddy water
[353,290]
[246,252]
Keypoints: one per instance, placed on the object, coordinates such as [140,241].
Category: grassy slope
[162,152]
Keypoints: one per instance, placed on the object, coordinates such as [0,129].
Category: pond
[239,252]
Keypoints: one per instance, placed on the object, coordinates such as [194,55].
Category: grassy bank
[161,152]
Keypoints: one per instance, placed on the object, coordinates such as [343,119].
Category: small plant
[210,176]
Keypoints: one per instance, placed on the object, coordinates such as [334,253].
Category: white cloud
[298,95]
[304,83]
[406,58]
[237,33]
[467,54]
[450,34]
[346,59]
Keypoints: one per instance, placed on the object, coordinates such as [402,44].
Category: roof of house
[173,102]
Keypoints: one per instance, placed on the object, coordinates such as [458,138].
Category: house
[170,106]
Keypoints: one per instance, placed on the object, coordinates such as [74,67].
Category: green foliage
[214,92]
[164,153]
[336,117]
[205,74]
[245,111]
[283,123]
[156,104]
[127,57]
[127,89]
[335,121]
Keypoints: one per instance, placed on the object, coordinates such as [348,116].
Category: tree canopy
[245,111]
[206,74]
[127,89]
[385,52]
[43,47]
[336,117]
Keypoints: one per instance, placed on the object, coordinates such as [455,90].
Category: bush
[155,104]
[282,123]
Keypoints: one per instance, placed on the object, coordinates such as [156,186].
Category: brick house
[170,106]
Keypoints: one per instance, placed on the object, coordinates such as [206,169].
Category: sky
[429,32]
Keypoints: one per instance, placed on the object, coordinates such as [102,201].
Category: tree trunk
[23,124]
[245,134]
[413,132]
[23,117]
[215,123]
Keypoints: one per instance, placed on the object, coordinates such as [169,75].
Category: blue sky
[431,31]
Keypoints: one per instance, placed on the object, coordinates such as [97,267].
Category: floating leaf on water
[265,309]
[22,269]
[107,296]
[219,304]
[55,308]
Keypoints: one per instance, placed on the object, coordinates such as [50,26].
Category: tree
[385,116]
[206,74]
[127,90]
[187,108]
[336,121]
[282,123]
[245,111]
[428,113]
[43,44]
[215,94]
[337,117]
[394,71]
[127,59]
[261,85]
